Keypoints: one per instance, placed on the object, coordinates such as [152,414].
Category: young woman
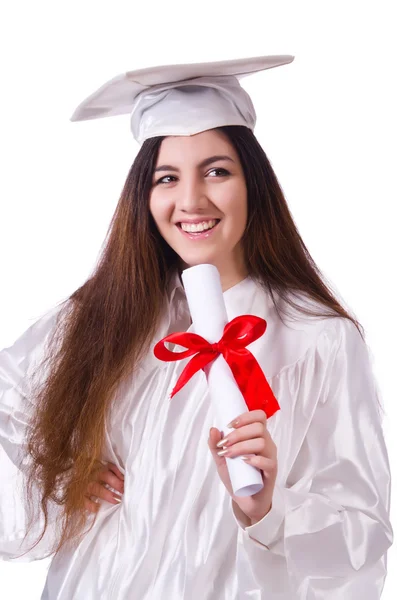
[135,496]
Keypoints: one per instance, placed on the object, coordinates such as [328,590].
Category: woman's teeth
[194,227]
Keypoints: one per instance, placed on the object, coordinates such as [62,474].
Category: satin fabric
[177,534]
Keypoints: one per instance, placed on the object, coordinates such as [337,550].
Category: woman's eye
[219,171]
[165,179]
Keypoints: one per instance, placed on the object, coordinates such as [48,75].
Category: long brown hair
[106,326]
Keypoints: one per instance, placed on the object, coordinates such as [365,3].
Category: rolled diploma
[204,295]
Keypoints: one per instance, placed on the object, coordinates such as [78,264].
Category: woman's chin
[197,260]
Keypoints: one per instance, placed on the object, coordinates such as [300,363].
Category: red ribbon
[237,334]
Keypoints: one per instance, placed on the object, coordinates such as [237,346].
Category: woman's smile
[202,234]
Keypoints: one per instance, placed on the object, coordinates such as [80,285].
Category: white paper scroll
[208,311]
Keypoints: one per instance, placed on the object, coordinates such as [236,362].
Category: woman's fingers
[108,476]
[247,432]
[91,505]
[112,480]
[249,436]
[251,416]
[116,471]
[255,446]
[99,491]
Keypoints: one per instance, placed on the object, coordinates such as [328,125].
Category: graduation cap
[179,99]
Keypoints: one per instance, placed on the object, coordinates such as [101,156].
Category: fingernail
[117,499]
[223,452]
[233,423]
[223,442]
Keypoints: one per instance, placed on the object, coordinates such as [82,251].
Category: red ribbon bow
[237,334]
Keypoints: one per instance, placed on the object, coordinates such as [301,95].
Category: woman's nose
[191,195]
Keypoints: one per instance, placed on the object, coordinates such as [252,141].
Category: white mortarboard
[179,99]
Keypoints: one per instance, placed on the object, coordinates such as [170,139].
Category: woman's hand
[108,475]
[250,436]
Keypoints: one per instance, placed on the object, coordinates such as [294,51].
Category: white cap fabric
[179,99]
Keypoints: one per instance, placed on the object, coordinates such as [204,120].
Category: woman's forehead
[196,147]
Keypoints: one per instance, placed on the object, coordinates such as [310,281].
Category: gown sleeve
[328,529]
[16,365]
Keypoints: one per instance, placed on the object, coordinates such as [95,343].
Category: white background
[327,123]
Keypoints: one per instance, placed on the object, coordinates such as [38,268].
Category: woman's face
[199,179]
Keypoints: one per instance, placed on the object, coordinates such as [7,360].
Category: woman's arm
[329,525]
[16,408]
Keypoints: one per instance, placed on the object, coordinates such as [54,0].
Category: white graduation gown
[177,534]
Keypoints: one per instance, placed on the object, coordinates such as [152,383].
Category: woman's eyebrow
[203,163]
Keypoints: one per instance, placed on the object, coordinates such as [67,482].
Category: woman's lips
[199,235]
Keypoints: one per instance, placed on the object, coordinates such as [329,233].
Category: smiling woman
[320,526]
[204,190]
